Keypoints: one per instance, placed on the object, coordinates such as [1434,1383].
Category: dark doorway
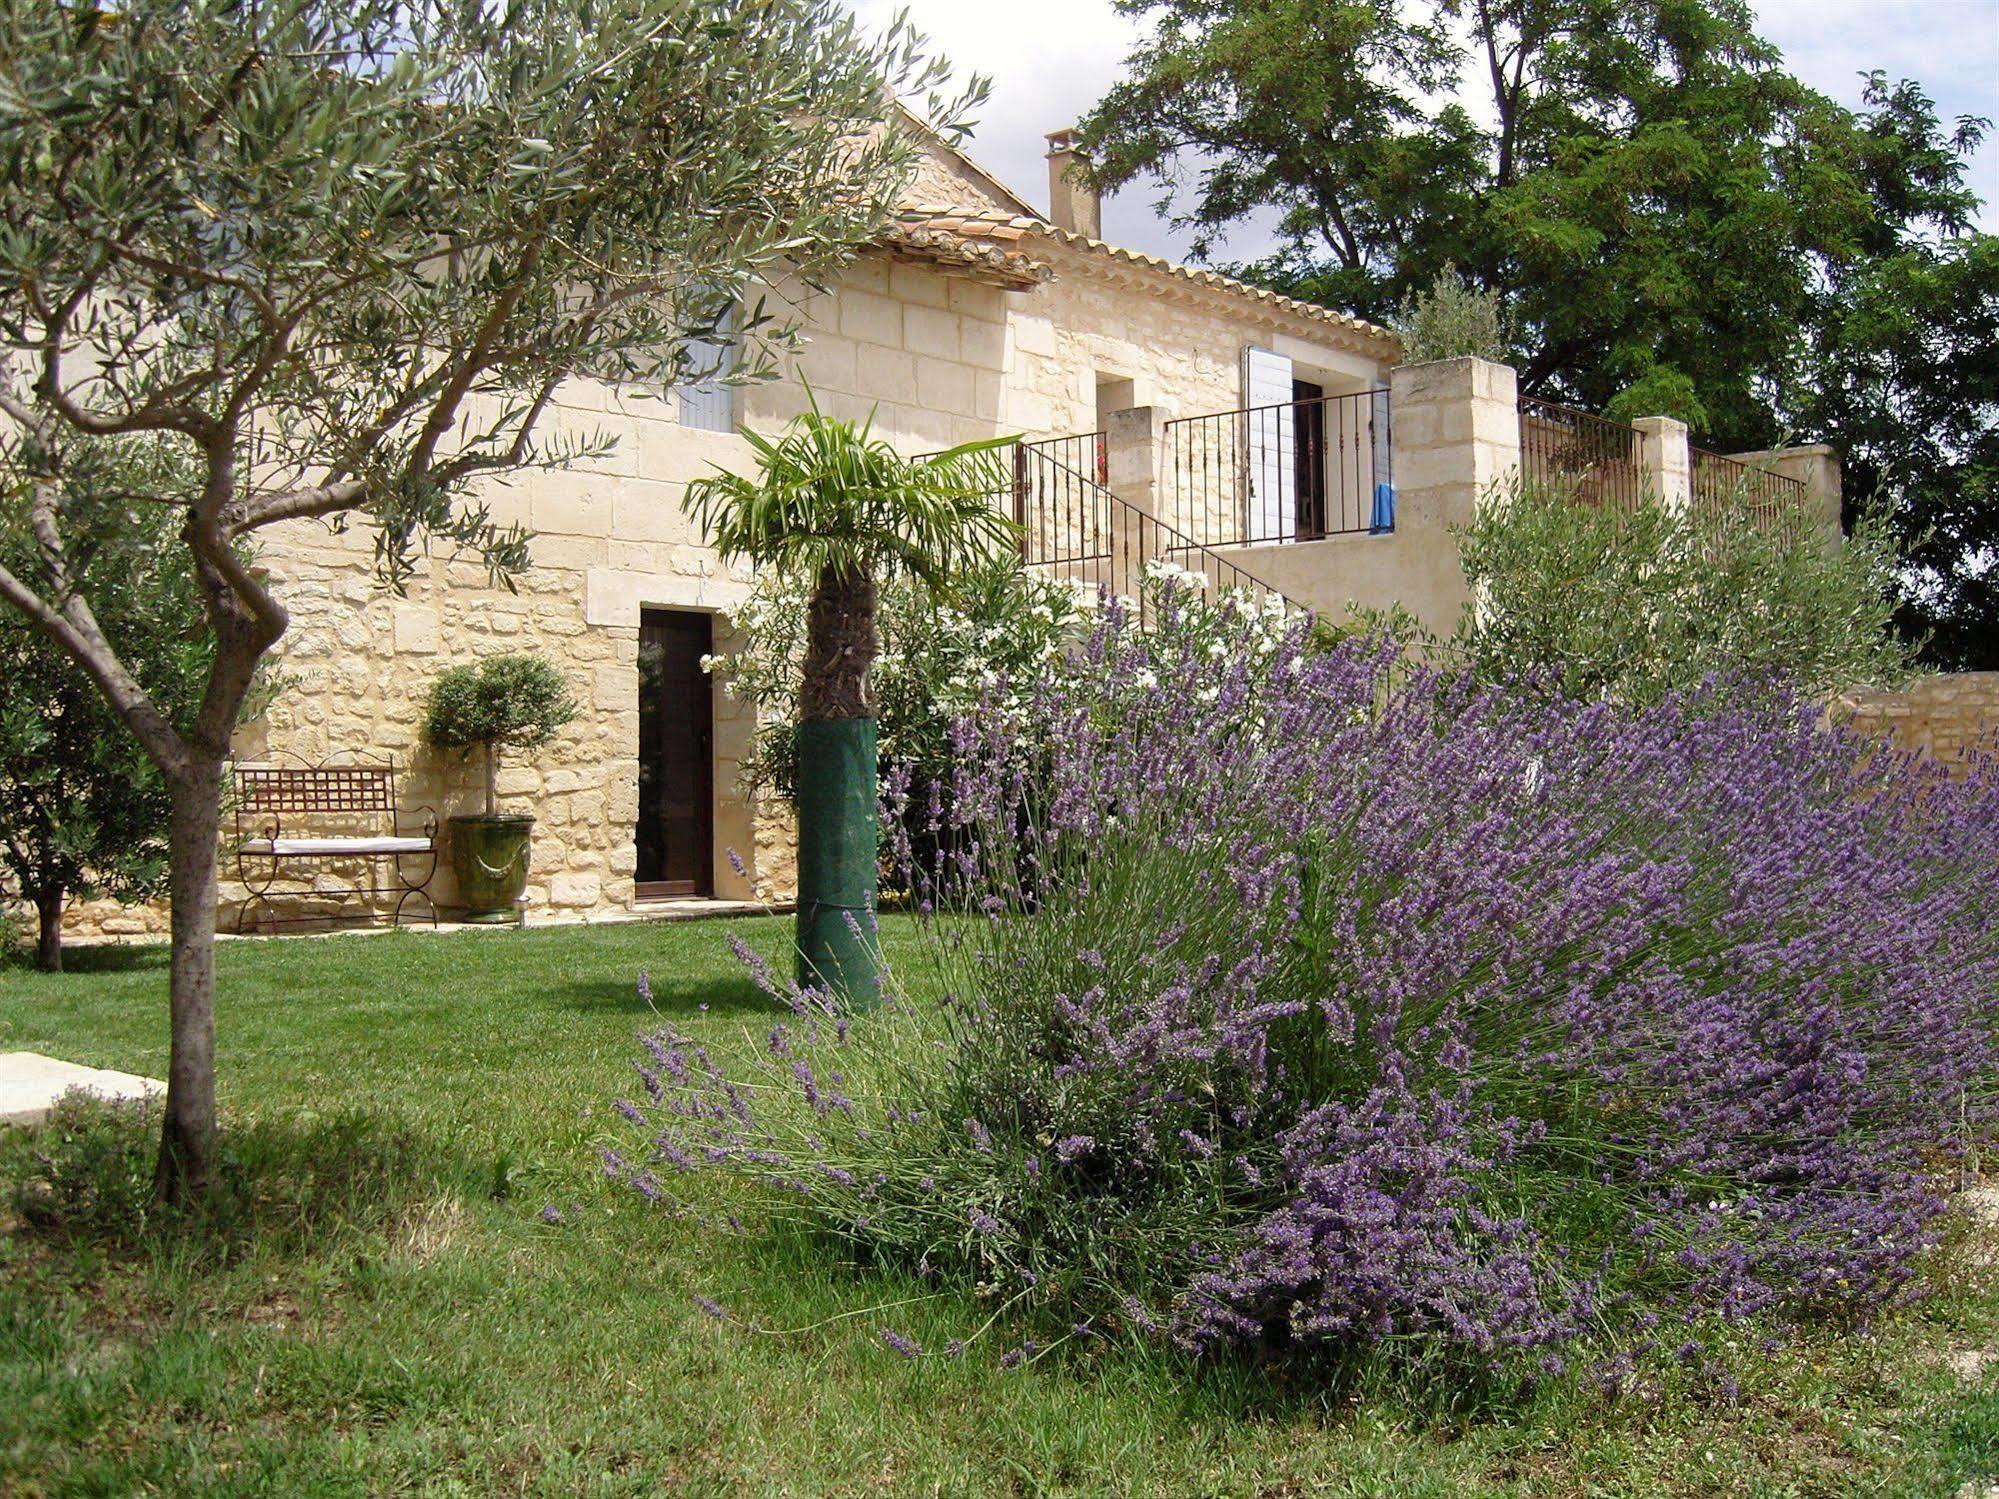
[676,831]
[1308,407]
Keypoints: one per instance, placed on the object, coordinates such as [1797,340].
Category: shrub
[1276,1005]
[90,1167]
[1000,623]
[1452,319]
[1634,604]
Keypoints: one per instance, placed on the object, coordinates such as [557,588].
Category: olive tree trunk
[48,928]
[187,1136]
[837,791]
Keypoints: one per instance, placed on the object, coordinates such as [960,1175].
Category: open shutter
[1271,443]
[705,401]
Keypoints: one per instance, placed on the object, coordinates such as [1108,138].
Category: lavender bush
[1270,1000]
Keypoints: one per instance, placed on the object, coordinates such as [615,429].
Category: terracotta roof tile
[980,231]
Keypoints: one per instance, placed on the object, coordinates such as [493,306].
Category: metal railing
[1294,471]
[1058,500]
[1073,527]
[1588,458]
[1721,482]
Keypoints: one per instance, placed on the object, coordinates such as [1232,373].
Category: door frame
[703,885]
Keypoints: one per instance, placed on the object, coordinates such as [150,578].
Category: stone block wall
[1944,716]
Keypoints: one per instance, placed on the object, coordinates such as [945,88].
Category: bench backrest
[360,793]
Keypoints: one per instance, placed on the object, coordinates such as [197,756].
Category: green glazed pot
[490,857]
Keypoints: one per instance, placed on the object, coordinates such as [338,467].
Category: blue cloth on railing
[1384,510]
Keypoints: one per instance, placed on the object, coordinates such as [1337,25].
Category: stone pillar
[1665,462]
[1815,465]
[1456,430]
[1135,455]
[1135,472]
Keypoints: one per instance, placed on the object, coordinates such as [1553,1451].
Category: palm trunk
[187,1140]
[836,792]
[48,929]
[841,644]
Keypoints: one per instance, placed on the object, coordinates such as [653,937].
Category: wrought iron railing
[1294,471]
[1073,527]
[1588,458]
[1058,499]
[1720,482]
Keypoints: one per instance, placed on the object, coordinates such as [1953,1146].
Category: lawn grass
[391,1313]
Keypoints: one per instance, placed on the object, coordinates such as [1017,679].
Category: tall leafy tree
[83,812]
[1679,225]
[1898,371]
[836,507]
[341,256]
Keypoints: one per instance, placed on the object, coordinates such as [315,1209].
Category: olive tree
[343,255]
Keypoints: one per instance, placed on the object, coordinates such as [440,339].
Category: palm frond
[828,493]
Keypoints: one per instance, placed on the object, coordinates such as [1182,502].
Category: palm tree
[834,503]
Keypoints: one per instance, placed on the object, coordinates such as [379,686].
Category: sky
[1050,60]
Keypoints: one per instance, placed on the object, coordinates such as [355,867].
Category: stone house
[978,314]
[1164,411]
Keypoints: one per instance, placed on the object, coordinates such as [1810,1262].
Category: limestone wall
[1942,715]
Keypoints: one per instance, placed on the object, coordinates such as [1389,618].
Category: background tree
[83,812]
[342,256]
[835,504]
[1679,226]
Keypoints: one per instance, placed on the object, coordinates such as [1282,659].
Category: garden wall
[1941,715]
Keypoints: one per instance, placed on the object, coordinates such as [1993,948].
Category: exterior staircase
[1072,526]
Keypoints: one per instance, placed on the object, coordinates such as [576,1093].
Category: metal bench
[297,815]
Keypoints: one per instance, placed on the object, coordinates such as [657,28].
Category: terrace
[1352,496]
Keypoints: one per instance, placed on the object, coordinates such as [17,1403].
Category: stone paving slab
[30,1083]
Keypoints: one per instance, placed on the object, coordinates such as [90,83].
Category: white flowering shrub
[983,647]
[940,657]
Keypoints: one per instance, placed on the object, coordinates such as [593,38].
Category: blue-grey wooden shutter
[705,401]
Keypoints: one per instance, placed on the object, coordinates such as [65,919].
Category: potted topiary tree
[516,701]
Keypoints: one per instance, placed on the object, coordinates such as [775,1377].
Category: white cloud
[1050,60]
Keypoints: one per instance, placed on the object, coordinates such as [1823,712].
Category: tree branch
[75,629]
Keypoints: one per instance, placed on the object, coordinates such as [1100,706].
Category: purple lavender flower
[1342,978]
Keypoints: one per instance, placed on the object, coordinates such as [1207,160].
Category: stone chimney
[1072,202]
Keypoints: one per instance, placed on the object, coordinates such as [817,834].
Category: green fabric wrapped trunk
[836,797]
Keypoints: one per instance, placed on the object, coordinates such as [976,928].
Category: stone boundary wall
[1944,715]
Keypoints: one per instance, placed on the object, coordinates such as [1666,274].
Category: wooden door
[676,854]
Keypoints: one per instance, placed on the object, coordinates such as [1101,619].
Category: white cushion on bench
[282,847]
